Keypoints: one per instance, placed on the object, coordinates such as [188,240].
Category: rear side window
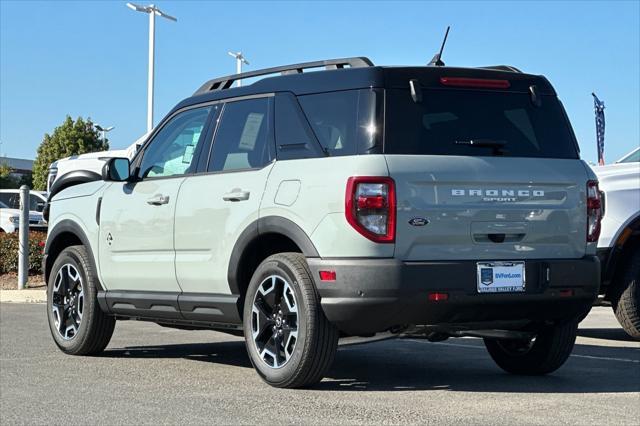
[345,122]
[476,122]
[243,138]
[294,137]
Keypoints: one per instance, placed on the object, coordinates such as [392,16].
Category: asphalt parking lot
[151,374]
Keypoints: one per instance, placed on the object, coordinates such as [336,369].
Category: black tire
[625,299]
[95,327]
[550,349]
[314,348]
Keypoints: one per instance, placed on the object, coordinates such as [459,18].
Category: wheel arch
[64,234]
[627,238]
[259,240]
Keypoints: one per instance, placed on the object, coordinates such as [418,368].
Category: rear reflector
[566,293]
[438,297]
[484,83]
[327,275]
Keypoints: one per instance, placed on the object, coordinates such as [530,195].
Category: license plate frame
[498,277]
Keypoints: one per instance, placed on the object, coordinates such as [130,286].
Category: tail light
[370,207]
[594,211]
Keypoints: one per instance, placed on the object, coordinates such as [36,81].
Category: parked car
[619,243]
[10,210]
[433,200]
[11,197]
[89,164]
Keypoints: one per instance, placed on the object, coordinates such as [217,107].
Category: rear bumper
[372,295]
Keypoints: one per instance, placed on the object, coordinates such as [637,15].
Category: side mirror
[116,170]
[40,206]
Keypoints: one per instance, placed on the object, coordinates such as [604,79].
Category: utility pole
[240,59]
[104,131]
[152,10]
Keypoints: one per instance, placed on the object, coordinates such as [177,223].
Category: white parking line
[607,358]
[603,358]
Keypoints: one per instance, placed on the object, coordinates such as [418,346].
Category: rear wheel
[289,340]
[625,300]
[541,355]
[77,324]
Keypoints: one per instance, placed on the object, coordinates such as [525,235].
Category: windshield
[476,122]
[634,157]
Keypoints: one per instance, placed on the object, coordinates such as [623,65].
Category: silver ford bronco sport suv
[348,201]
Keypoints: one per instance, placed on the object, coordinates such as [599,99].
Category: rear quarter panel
[311,193]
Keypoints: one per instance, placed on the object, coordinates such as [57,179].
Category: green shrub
[9,244]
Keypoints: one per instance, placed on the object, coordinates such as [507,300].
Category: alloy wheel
[68,301]
[274,321]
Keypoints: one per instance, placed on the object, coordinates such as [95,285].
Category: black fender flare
[618,253]
[262,226]
[75,177]
[62,227]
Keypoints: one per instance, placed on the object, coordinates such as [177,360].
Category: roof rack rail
[223,83]
[502,68]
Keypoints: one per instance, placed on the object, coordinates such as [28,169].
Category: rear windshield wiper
[498,146]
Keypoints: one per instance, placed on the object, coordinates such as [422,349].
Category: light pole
[152,10]
[240,59]
[104,131]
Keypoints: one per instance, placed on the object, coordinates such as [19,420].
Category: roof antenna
[436,60]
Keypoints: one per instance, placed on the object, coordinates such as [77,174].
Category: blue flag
[598,107]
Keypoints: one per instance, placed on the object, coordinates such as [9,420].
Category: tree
[70,138]
[6,181]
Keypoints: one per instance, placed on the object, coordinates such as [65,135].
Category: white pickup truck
[89,163]
[619,242]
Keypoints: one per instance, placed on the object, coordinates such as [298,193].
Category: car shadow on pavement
[229,353]
[606,333]
[414,365]
[405,365]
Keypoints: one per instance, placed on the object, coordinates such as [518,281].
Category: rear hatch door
[484,173]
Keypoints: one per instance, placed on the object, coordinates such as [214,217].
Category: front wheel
[290,342]
[77,324]
[541,355]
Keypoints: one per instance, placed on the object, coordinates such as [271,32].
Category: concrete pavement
[150,374]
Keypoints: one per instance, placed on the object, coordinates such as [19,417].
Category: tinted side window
[11,200]
[34,200]
[294,137]
[343,121]
[243,136]
[172,149]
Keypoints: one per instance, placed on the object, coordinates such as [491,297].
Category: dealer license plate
[500,277]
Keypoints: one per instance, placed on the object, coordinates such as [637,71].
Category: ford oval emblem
[418,221]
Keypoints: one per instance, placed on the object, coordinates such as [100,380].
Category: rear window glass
[344,122]
[476,122]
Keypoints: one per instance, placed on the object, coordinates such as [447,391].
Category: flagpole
[598,109]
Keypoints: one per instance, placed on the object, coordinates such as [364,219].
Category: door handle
[236,195]
[158,200]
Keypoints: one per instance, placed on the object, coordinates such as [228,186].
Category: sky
[89,58]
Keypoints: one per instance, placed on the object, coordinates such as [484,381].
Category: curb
[23,296]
